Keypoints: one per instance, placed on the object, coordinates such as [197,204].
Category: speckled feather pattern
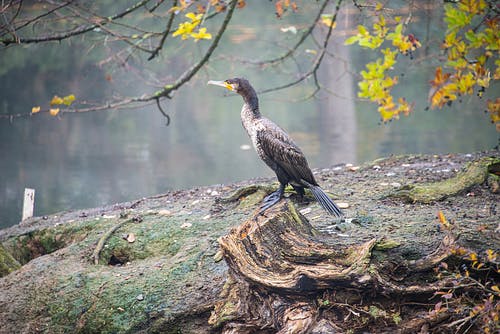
[275,147]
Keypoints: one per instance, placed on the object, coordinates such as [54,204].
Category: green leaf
[351,40]
[362,30]
[399,29]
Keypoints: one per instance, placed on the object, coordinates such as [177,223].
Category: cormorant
[275,147]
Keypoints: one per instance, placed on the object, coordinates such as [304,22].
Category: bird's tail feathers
[325,201]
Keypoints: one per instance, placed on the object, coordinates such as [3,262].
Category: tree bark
[280,267]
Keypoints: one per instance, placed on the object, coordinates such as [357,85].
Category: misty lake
[76,161]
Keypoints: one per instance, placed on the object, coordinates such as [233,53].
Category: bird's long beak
[220,83]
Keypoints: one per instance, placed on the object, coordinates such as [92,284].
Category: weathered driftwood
[280,266]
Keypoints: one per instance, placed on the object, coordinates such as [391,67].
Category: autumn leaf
[443,220]
[185,29]
[68,100]
[241,4]
[491,255]
[34,110]
[473,256]
[54,111]
[201,34]
[56,100]
[195,18]
[327,20]
[279,8]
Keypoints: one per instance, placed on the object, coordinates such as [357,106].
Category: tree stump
[285,277]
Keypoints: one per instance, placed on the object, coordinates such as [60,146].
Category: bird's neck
[251,107]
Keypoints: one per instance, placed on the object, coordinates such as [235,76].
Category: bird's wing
[281,149]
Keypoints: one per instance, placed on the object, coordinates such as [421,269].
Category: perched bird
[275,147]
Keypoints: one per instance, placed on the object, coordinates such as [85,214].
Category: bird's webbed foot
[272,199]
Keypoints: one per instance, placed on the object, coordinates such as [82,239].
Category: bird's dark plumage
[275,147]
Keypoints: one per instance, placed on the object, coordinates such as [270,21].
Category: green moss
[474,173]
[33,244]
[386,244]
[377,312]
[7,263]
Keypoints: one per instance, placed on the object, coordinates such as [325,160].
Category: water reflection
[87,160]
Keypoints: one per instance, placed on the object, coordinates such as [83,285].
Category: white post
[29,203]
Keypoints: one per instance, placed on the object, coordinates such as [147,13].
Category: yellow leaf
[495,288]
[67,100]
[34,110]
[327,20]
[54,111]
[56,100]
[201,34]
[184,30]
[194,18]
[443,219]
[492,256]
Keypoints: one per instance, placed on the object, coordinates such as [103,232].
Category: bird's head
[237,85]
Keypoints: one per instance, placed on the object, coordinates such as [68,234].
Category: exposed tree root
[286,278]
[250,190]
[475,173]
[105,237]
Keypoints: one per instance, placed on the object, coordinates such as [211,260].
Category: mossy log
[295,269]
[280,269]
[474,173]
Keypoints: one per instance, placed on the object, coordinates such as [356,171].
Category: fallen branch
[105,237]
[475,173]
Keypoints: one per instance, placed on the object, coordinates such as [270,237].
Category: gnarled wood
[280,267]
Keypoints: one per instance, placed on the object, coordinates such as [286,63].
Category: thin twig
[189,73]
[36,18]
[11,20]
[316,63]
[74,32]
[165,33]
[292,50]
[167,89]
[155,6]
[162,111]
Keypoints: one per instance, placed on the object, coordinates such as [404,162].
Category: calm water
[87,160]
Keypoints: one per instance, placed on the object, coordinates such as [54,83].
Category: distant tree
[471,43]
